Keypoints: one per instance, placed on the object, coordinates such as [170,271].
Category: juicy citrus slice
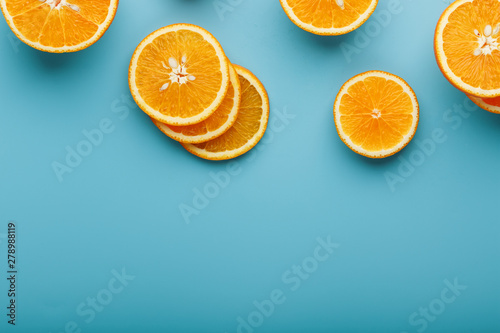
[329,17]
[249,127]
[59,25]
[466,45]
[376,114]
[215,125]
[179,74]
[489,104]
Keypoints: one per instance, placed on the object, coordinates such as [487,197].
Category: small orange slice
[59,25]
[329,17]
[466,45]
[179,75]
[376,114]
[489,104]
[215,125]
[249,127]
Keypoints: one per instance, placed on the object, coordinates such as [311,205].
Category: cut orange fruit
[59,25]
[467,44]
[376,114]
[179,75]
[329,17]
[215,125]
[249,127]
[489,104]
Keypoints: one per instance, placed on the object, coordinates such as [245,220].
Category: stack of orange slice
[180,76]
[467,48]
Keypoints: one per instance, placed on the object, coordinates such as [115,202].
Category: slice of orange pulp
[376,114]
[58,23]
[329,13]
[181,74]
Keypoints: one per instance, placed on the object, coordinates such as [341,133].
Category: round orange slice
[215,125]
[249,127]
[59,25]
[329,17]
[466,45]
[179,75]
[489,104]
[376,114]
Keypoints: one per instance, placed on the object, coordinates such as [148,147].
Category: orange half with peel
[329,17]
[59,25]
[467,46]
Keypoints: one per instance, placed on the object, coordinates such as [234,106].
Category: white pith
[58,4]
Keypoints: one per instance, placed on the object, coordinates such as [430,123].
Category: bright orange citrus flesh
[249,127]
[179,75]
[59,25]
[329,17]
[376,114]
[466,45]
[215,125]
[489,104]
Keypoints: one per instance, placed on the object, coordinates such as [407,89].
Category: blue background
[121,207]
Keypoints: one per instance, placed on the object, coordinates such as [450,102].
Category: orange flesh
[460,42]
[179,99]
[376,113]
[492,101]
[246,126]
[215,121]
[327,14]
[59,26]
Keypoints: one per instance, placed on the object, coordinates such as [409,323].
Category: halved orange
[329,17]
[179,74]
[59,25]
[249,127]
[376,114]
[489,104]
[466,45]
[215,125]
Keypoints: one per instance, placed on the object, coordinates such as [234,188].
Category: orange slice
[59,25]
[329,17]
[249,127]
[179,74]
[489,104]
[376,114]
[466,45]
[215,125]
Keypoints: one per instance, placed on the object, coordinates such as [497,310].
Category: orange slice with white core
[329,17]
[489,104]
[376,114]
[179,74]
[466,45]
[249,127]
[215,125]
[59,25]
